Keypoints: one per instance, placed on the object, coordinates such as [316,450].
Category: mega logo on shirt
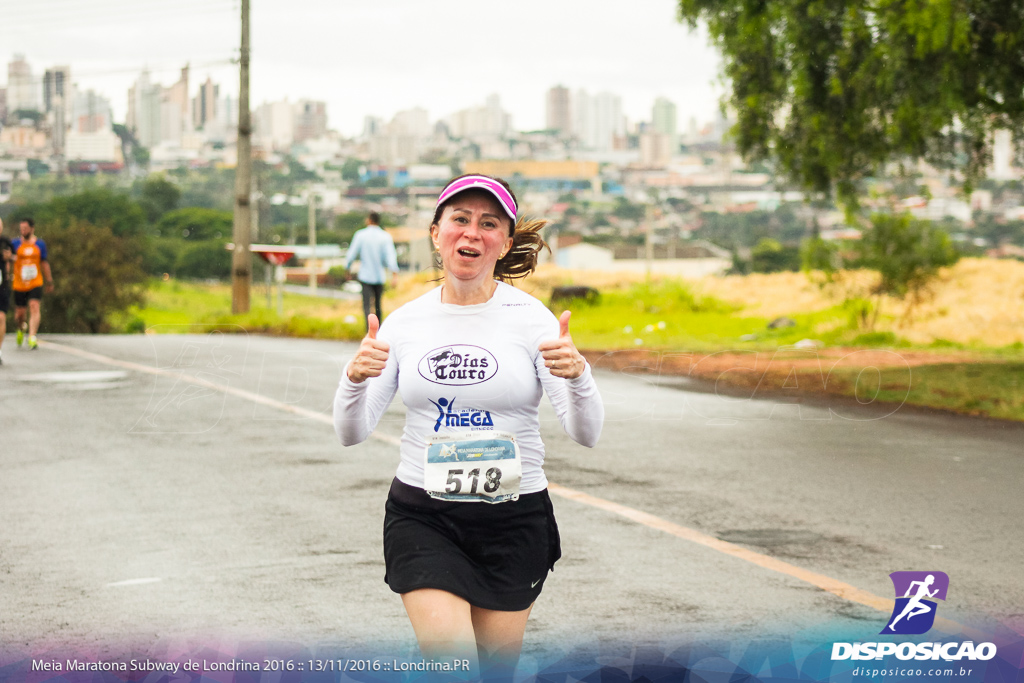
[458,365]
[451,416]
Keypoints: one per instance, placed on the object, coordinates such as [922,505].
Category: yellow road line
[825,583]
[834,586]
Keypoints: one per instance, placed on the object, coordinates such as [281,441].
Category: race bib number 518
[473,467]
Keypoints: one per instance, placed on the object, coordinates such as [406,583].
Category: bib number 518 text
[459,479]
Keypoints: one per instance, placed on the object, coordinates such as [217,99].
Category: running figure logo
[914,613]
[442,405]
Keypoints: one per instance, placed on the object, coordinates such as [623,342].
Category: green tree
[771,256]
[195,224]
[350,170]
[628,210]
[96,273]
[101,207]
[130,147]
[204,260]
[833,89]
[157,196]
[161,255]
[907,254]
[36,168]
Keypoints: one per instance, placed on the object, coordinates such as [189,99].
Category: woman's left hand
[560,355]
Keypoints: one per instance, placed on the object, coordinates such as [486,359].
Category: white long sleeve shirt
[463,368]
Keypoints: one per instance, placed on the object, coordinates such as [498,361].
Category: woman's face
[471,236]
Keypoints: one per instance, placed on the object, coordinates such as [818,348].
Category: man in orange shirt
[6,256]
[31,271]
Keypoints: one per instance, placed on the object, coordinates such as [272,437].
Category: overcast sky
[376,57]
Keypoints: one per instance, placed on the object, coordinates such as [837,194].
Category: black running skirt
[495,556]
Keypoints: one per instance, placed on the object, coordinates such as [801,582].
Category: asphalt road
[212,502]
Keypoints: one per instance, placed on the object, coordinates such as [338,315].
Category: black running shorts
[495,556]
[21,298]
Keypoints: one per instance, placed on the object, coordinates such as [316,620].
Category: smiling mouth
[469,252]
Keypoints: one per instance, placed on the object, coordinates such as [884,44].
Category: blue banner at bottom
[992,658]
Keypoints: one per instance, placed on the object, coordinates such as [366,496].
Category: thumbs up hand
[560,355]
[372,355]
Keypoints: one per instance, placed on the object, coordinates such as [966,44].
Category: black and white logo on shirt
[458,365]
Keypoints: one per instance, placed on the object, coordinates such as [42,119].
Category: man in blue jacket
[375,251]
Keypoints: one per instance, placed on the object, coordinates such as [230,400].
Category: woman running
[469,531]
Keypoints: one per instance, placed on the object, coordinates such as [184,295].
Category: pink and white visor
[481,182]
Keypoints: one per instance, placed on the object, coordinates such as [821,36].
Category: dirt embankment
[767,369]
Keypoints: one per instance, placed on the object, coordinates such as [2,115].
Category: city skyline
[381,70]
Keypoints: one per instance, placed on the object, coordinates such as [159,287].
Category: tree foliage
[96,273]
[907,254]
[194,224]
[203,260]
[834,89]
[771,256]
[157,196]
[96,240]
[100,207]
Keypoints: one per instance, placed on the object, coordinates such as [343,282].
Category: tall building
[57,101]
[22,89]
[144,111]
[598,120]
[557,110]
[178,93]
[90,113]
[172,122]
[665,118]
[90,136]
[489,121]
[275,125]
[226,124]
[1002,166]
[204,105]
[582,116]
[3,105]
[413,122]
[372,125]
[56,87]
[656,149]
[310,120]
[401,140]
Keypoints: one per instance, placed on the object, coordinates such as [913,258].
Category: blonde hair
[521,259]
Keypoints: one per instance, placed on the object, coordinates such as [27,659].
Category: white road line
[134,582]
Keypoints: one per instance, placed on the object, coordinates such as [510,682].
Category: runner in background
[31,275]
[375,251]
[6,256]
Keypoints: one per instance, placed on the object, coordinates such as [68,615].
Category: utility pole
[241,258]
[311,263]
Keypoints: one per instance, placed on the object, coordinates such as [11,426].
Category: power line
[75,73]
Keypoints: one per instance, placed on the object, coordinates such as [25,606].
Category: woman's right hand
[372,355]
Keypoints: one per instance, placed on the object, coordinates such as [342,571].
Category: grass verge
[984,389]
[664,316]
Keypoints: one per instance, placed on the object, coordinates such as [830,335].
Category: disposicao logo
[914,614]
[916,592]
